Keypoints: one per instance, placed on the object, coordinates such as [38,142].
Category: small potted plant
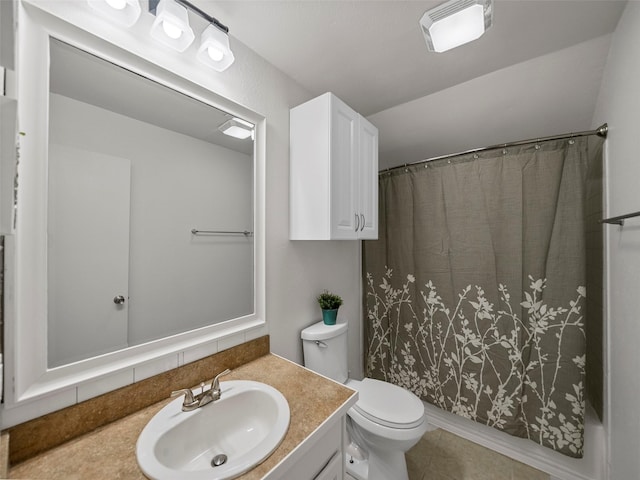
[329,303]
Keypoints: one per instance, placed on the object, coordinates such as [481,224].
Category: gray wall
[619,106]
[297,271]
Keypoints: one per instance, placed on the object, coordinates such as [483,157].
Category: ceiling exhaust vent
[455,23]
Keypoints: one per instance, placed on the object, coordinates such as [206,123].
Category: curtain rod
[601,131]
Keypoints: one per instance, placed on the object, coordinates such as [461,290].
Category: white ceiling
[372,54]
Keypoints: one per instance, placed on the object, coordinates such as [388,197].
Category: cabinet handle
[357,222]
[362,226]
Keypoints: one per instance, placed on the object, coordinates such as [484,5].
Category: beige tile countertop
[110,451]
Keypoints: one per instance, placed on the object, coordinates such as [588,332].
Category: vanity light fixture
[124,12]
[238,128]
[455,23]
[171,25]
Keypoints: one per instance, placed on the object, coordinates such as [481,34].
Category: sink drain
[218,460]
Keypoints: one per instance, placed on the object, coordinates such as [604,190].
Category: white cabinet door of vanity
[333,172]
[321,456]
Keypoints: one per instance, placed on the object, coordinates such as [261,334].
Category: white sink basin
[247,424]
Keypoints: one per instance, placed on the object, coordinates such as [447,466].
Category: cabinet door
[333,469]
[368,180]
[344,167]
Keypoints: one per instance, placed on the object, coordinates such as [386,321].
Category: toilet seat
[387,404]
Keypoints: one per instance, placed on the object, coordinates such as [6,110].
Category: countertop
[109,451]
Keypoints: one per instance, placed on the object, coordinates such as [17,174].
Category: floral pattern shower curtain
[475,292]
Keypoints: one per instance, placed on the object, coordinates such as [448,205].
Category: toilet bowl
[386,421]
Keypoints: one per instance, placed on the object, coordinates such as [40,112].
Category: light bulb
[215,53]
[172,31]
[117,4]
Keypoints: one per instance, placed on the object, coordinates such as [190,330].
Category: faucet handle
[215,383]
[188,395]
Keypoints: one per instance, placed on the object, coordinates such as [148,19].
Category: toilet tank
[325,350]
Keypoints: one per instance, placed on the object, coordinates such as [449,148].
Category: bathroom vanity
[313,447]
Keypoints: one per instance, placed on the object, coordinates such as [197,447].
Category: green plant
[329,301]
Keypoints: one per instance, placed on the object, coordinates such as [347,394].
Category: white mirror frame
[32,389]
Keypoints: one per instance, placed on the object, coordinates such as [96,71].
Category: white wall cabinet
[333,172]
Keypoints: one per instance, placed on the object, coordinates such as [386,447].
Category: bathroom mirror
[150,218]
[121,160]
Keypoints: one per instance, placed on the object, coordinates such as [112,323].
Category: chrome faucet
[193,401]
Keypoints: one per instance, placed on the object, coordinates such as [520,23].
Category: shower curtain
[475,290]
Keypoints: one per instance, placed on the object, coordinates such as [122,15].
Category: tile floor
[440,455]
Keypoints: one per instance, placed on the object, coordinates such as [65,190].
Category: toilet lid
[388,404]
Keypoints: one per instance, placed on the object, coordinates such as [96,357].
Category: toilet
[386,421]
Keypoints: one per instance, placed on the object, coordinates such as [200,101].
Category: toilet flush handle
[321,344]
